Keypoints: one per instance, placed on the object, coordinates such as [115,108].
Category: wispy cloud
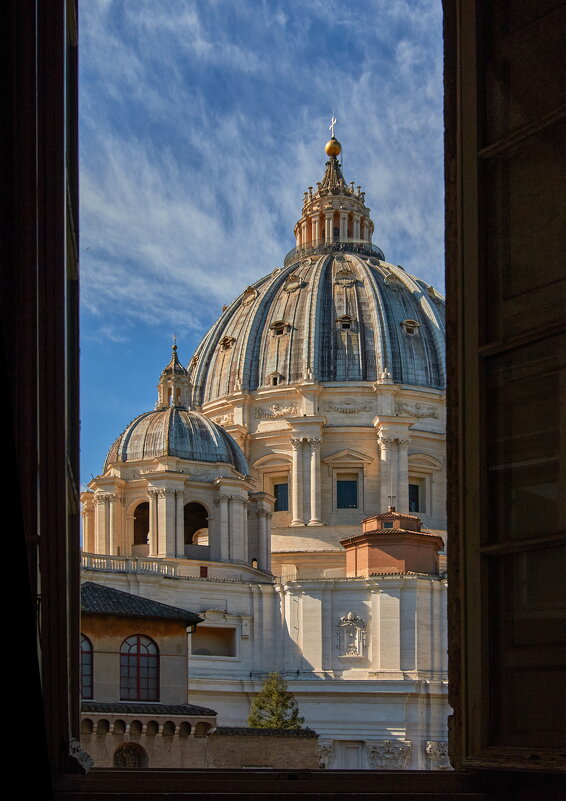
[202,124]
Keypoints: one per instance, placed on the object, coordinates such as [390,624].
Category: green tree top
[274,707]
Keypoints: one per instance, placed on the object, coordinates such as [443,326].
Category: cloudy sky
[201,125]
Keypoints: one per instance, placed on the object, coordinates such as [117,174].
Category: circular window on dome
[374,261]
[249,295]
[345,277]
[293,283]
[226,343]
[411,327]
[279,328]
[306,262]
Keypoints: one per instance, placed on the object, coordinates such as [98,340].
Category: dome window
[279,328]
[345,323]
[275,379]
[411,327]
[226,343]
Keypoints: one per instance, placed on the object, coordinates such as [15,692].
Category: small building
[134,668]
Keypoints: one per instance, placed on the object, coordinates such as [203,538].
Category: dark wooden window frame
[40,328]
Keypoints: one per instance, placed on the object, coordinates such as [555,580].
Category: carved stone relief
[347,406]
[224,420]
[274,411]
[437,752]
[389,754]
[418,410]
[352,633]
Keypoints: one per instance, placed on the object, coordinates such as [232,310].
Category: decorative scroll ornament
[225,420]
[293,283]
[418,410]
[345,277]
[389,754]
[274,411]
[347,406]
[351,635]
[249,295]
[437,752]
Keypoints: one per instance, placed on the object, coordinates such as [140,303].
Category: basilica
[289,488]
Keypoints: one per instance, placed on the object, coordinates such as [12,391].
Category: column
[89,545]
[328,223]
[343,225]
[264,556]
[403,471]
[223,548]
[356,226]
[304,233]
[101,523]
[315,520]
[112,507]
[167,529]
[315,228]
[385,472]
[128,539]
[297,481]
[153,523]
[179,523]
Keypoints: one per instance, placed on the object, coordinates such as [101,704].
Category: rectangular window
[414,498]
[281,492]
[203,571]
[347,493]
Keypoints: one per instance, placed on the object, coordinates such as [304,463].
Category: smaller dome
[175,431]
[333,147]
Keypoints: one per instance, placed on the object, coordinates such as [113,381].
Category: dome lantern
[174,385]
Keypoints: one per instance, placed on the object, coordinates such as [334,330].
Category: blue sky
[201,124]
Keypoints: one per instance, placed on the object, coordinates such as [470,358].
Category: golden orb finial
[333,147]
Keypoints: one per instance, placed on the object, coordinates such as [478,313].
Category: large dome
[333,316]
[174,431]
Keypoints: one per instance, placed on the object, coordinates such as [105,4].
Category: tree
[274,707]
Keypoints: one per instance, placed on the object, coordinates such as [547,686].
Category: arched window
[141,523]
[139,669]
[196,523]
[86,668]
[130,755]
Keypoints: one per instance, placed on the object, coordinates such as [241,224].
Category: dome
[330,317]
[175,431]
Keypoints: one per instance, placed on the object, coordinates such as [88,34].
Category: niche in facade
[141,524]
[195,524]
[212,641]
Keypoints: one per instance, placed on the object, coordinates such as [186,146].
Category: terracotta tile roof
[96,599]
[134,708]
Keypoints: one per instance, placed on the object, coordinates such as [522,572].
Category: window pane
[281,492]
[347,494]
[414,498]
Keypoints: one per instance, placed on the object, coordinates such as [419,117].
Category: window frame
[142,660]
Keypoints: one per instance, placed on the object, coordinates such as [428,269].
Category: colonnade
[306,476]
[107,529]
[320,227]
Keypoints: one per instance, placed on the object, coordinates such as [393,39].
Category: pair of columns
[394,471]
[299,445]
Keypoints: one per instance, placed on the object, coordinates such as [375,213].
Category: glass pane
[523,265]
[281,492]
[347,494]
[525,395]
[525,69]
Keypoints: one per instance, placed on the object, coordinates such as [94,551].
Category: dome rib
[316,347]
[176,432]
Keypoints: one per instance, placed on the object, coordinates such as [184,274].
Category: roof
[134,708]
[175,431]
[97,599]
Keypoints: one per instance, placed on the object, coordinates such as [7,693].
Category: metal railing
[336,246]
